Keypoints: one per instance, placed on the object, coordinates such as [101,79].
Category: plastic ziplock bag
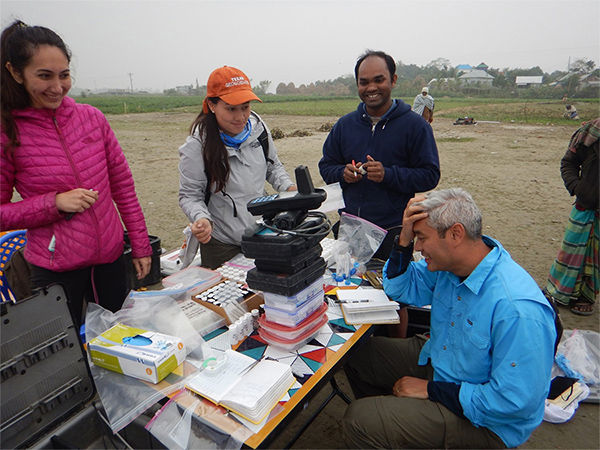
[180,427]
[189,249]
[124,398]
[577,360]
[358,240]
[334,200]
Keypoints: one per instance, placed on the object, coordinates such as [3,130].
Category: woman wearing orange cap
[223,165]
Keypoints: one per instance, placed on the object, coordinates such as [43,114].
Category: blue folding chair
[9,243]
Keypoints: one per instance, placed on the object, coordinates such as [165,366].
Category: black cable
[324,224]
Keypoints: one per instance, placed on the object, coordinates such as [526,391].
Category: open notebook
[367,306]
[243,385]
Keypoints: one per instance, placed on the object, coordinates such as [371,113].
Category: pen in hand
[71,214]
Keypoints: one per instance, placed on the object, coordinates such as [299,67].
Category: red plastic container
[292,338]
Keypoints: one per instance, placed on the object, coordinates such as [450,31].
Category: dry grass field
[511,169]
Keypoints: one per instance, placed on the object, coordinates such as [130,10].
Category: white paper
[215,384]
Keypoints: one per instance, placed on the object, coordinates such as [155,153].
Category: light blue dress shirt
[493,334]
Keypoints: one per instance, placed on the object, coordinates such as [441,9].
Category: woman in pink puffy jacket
[76,187]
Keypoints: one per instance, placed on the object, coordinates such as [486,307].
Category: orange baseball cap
[229,84]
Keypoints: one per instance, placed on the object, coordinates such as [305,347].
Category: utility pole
[131,81]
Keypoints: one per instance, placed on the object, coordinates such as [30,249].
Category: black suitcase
[46,389]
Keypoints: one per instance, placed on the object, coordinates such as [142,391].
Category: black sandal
[576,306]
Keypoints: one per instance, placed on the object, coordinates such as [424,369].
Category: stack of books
[367,306]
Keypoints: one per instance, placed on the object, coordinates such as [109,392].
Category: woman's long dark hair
[216,159]
[18,44]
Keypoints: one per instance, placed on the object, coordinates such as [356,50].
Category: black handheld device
[306,198]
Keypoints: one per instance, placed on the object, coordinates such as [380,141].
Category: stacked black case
[46,390]
[285,263]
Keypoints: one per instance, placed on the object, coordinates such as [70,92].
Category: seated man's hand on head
[413,213]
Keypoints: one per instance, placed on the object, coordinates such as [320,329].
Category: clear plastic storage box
[291,345]
[293,318]
[194,279]
[293,302]
[290,333]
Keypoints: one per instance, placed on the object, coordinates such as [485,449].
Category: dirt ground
[512,171]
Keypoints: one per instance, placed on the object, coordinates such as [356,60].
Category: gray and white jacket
[247,176]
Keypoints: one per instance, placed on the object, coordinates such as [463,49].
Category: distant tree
[440,64]
[439,68]
[500,78]
[262,87]
[582,66]
[554,75]
[418,83]
[409,71]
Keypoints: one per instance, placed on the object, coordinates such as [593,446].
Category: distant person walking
[424,104]
[574,278]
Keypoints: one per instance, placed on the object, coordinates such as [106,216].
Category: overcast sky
[174,42]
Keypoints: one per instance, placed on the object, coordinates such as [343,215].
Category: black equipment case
[46,384]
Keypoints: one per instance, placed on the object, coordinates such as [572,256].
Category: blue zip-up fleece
[402,141]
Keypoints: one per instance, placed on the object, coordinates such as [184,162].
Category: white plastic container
[292,303]
[295,317]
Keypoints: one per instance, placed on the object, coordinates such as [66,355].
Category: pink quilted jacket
[61,150]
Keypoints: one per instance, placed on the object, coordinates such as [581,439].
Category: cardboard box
[252,302]
[139,353]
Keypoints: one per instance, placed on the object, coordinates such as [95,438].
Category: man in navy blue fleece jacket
[382,153]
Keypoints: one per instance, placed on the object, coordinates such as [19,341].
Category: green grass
[502,110]
[141,104]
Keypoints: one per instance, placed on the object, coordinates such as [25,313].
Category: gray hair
[449,206]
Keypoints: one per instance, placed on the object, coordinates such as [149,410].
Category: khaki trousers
[378,419]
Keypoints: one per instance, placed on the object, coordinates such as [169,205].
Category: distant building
[184,89]
[588,80]
[462,68]
[119,91]
[476,76]
[482,66]
[583,81]
[528,81]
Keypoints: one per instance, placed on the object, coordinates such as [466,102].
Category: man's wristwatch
[401,248]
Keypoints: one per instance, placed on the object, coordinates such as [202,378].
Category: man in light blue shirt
[481,379]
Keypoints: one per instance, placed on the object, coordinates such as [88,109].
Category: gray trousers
[378,419]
